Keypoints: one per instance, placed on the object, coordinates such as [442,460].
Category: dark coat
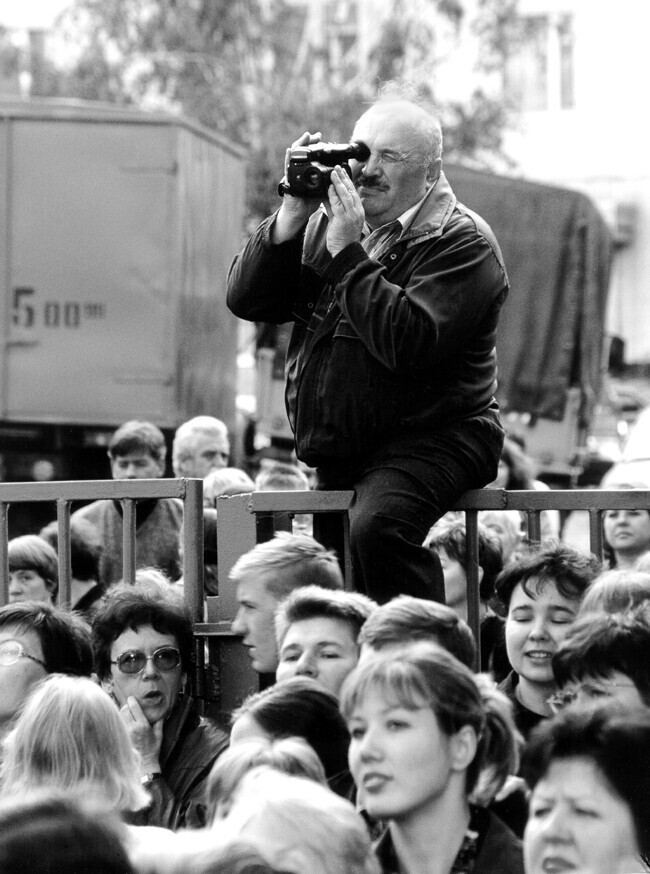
[379,347]
[499,851]
[190,746]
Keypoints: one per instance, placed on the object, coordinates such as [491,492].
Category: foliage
[236,66]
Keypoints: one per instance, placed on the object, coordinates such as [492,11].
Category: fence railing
[243,521]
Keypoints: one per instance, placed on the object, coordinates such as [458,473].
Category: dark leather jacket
[379,347]
[190,746]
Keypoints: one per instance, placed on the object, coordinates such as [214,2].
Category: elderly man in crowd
[200,446]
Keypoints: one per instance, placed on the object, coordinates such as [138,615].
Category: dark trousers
[400,491]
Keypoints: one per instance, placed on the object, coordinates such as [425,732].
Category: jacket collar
[433,212]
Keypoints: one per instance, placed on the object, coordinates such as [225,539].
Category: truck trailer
[118,227]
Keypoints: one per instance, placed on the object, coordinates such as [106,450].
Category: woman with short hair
[589,771]
[142,640]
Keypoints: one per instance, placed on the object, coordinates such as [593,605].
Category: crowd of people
[387,737]
[376,743]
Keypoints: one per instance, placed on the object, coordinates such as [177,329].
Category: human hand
[295,212]
[345,212]
[145,738]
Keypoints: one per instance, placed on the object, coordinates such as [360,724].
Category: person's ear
[108,687]
[463,745]
[433,171]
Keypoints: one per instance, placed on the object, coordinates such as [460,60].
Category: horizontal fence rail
[244,520]
[63,494]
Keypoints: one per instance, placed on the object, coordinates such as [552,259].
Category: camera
[310,167]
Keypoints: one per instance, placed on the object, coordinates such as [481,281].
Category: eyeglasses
[133,661]
[591,691]
[12,651]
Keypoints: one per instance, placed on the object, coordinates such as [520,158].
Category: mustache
[369,181]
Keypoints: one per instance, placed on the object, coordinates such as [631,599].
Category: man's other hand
[345,212]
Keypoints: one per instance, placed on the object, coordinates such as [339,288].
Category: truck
[551,345]
[118,227]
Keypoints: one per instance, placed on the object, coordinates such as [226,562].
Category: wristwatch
[146,779]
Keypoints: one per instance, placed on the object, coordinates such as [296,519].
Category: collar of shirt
[378,241]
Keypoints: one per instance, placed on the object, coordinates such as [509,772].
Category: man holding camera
[394,290]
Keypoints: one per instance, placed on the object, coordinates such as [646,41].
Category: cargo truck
[118,227]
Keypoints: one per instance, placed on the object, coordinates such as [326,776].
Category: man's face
[198,454]
[136,465]
[254,621]
[393,178]
[322,647]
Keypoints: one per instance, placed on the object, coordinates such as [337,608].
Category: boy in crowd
[405,619]
[316,632]
[541,594]
[264,576]
[137,451]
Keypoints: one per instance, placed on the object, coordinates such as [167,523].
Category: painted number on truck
[29,312]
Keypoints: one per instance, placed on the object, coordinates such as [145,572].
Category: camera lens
[311,177]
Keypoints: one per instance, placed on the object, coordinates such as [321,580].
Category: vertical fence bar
[193,572]
[193,547]
[65,561]
[128,540]
[473,598]
[534,522]
[4,552]
[596,533]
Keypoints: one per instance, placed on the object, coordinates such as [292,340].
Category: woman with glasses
[604,658]
[142,641]
[37,639]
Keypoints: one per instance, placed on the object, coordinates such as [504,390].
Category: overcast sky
[30,13]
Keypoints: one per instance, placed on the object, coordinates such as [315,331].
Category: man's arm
[263,279]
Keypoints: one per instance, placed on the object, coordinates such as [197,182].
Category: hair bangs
[398,683]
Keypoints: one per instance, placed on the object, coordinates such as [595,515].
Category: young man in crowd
[406,619]
[264,576]
[316,633]
[137,451]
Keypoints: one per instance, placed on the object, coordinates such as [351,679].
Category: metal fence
[245,520]
[223,674]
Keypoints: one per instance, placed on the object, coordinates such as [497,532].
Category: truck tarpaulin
[557,249]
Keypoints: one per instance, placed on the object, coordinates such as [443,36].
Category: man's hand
[345,212]
[295,212]
[145,738]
